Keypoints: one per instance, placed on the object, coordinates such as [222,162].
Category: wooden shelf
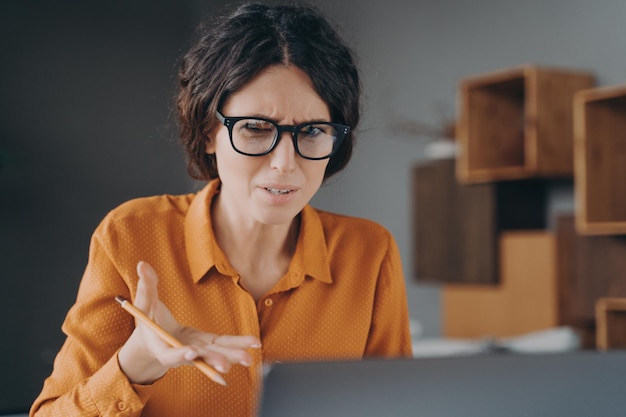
[600,160]
[611,323]
[518,123]
[589,268]
[456,227]
[547,279]
[525,301]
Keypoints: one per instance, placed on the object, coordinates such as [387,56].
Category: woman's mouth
[277,191]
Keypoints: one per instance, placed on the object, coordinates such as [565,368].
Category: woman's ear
[210,135]
[209,145]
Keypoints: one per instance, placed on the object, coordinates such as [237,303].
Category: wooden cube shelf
[600,160]
[525,301]
[558,276]
[590,268]
[518,123]
[611,323]
[456,226]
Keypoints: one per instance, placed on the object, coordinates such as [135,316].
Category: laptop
[582,383]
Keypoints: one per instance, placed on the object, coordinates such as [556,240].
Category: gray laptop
[585,384]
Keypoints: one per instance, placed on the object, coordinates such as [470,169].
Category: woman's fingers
[175,357]
[147,288]
[147,298]
[240,342]
[219,358]
[228,341]
[230,355]
[224,350]
[217,351]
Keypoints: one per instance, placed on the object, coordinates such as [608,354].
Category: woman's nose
[283,157]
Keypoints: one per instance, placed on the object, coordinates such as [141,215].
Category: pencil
[168,338]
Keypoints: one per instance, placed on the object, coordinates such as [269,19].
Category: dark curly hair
[230,52]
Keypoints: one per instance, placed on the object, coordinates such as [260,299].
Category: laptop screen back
[573,384]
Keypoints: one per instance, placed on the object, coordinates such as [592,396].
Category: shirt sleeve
[86,379]
[389,333]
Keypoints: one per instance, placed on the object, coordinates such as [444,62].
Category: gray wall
[85,124]
[85,98]
[413,54]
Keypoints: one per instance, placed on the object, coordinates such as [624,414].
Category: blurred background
[86,123]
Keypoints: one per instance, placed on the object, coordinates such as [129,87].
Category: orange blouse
[343,297]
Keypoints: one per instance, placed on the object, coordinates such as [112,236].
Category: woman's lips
[279,194]
[278,191]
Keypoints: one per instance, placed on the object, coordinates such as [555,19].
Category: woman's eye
[258,125]
[312,131]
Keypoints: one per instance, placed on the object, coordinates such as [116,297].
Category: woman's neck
[260,253]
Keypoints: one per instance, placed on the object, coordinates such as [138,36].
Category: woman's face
[270,189]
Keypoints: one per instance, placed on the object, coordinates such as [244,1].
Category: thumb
[147,297]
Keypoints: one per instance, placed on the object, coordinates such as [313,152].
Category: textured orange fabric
[343,296]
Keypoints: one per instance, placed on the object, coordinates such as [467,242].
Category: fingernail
[244,363]
[190,355]
[220,368]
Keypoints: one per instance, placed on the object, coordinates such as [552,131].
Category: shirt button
[268,302]
[121,406]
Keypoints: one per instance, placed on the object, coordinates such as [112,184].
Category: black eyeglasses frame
[229,122]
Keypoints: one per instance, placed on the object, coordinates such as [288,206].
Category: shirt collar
[203,252]
[311,250]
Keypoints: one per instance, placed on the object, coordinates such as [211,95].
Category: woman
[268,103]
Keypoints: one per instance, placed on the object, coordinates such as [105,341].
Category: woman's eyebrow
[305,121]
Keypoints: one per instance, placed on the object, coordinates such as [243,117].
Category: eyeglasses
[255,136]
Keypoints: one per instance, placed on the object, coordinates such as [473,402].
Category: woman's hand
[144,358]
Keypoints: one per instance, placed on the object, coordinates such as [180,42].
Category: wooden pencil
[168,338]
